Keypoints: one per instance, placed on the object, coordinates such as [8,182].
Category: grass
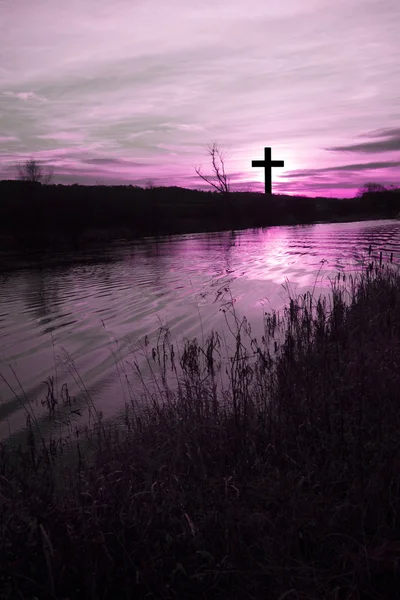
[274,474]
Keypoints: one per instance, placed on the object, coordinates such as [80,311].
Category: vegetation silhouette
[282,483]
[33,215]
[220,180]
[32,171]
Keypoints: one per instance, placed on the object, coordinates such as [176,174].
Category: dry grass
[275,475]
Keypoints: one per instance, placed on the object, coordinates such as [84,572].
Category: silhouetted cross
[267,163]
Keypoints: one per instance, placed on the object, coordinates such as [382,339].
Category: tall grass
[273,474]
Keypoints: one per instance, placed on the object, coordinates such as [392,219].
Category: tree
[219,180]
[371,188]
[149,184]
[33,172]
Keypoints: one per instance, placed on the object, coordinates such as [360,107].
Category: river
[90,310]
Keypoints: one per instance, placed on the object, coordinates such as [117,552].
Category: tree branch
[218,166]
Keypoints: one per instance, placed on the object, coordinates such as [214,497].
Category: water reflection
[95,305]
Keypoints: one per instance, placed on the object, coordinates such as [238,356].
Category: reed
[263,469]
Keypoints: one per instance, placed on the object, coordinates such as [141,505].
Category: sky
[133,91]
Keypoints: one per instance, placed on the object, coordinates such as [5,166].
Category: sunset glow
[124,92]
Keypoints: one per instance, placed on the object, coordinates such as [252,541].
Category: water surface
[90,308]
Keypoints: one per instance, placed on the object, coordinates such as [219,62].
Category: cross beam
[267,163]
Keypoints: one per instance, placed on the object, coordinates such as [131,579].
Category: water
[89,310]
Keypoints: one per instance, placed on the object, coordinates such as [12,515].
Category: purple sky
[131,90]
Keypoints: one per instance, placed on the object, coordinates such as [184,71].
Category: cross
[267,163]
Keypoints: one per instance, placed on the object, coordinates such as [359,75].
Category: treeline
[31,213]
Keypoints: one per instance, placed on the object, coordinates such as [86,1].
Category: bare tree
[149,184]
[219,180]
[371,188]
[32,171]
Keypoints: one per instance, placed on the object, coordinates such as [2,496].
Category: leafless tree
[32,171]
[149,184]
[219,180]
[371,188]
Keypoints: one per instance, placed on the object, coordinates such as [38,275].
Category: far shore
[39,217]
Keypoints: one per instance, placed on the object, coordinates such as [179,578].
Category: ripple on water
[96,307]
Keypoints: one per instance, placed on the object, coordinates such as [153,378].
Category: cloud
[365,166]
[115,91]
[388,141]
[25,96]
[353,167]
[317,185]
[63,136]
[113,161]
[184,126]
[8,138]
[382,132]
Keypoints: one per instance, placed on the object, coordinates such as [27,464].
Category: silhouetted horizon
[36,215]
[296,183]
[203,189]
[113,94]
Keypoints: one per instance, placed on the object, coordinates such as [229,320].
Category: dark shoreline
[36,217]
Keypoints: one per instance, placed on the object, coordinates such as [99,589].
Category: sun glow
[247,173]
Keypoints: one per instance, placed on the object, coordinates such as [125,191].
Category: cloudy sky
[132,90]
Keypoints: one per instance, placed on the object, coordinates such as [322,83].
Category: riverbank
[33,216]
[283,485]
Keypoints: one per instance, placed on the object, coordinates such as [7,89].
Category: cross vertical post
[267,164]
